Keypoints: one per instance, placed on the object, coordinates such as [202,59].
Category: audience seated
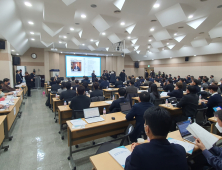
[85,84]
[211,79]
[183,81]
[204,84]
[199,80]
[194,83]
[118,83]
[177,92]
[68,94]
[6,87]
[218,89]
[159,153]
[168,87]
[56,86]
[73,82]
[157,82]
[96,91]
[76,85]
[112,78]
[115,106]
[137,111]
[104,84]
[101,79]
[131,89]
[175,80]
[53,81]
[154,94]
[137,83]
[4,94]
[63,88]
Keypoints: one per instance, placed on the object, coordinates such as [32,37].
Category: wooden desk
[105,161]
[48,89]
[2,132]
[214,120]
[134,99]
[171,109]
[50,97]
[144,87]
[96,130]
[108,93]
[45,86]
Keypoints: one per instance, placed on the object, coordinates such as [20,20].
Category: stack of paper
[163,94]
[120,154]
[109,102]
[187,146]
[206,137]
[78,123]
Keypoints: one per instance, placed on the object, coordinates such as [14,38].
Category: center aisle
[36,143]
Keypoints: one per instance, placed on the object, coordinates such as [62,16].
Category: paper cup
[140,140]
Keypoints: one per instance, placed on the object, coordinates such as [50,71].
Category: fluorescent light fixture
[28,4]
[175,34]
[122,23]
[150,40]
[12,50]
[170,57]
[64,37]
[128,37]
[72,29]
[60,42]
[83,16]
[61,52]
[112,54]
[17,54]
[74,53]
[156,5]
[190,16]
[83,44]
[132,44]
[167,43]
[148,46]
[152,59]
[195,55]
[103,33]
[32,33]
[91,40]
[152,29]
[33,39]
[30,22]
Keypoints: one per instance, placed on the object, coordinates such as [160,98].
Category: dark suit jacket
[104,84]
[189,104]
[184,86]
[131,89]
[137,84]
[18,79]
[122,76]
[176,93]
[28,81]
[158,154]
[168,87]
[67,95]
[197,88]
[93,77]
[96,93]
[77,68]
[119,84]
[137,111]
[80,102]
[55,87]
[74,87]
[115,106]
[112,78]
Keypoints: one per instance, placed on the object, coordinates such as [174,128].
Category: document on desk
[187,146]
[109,102]
[94,119]
[140,91]
[78,123]
[163,94]
[120,154]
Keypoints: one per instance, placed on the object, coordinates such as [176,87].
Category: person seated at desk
[137,112]
[162,82]
[133,78]
[6,87]
[18,77]
[168,87]
[128,80]
[141,79]
[188,81]
[85,84]
[4,94]
[112,78]
[68,94]
[101,80]
[170,77]
[137,83]
[146,82]
[131,89]
[96,92]
[218,89]
[183,81]
[53,81]
[76,85]
[214,101]
[63,88]
[115,106]
[204,84]
[104,84]
[178,78]
[151,79]
[118,83]
[189,105]
[175,80]
[73,82]
[214,155]
[159,153]
[157,83]
[211,79]
[195,84]
[55,87]
[199,80]
[154,94]
[80,101]
[177,92]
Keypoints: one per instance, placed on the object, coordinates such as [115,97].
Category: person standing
[93,76]
[33,78]
[122,76]
[28,83]
[146,74]
[18,78]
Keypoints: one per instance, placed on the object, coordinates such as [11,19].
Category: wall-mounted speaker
[186,58]
[16,60]
[136,64]
[2,44]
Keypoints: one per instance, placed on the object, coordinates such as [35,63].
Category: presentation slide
[79,66]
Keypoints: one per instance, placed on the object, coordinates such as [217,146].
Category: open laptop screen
[92,112]
[125,106]
[182,126]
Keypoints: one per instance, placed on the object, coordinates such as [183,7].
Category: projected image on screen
[79,66]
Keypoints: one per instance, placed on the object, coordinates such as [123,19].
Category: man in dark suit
[76,68]
[96,92]
[159,153]
[55,87]
[112,78]
[76,85]
[131,89]
[195,84]
[122,76]
[146,74]
[118,83]
[68,94]
[104,84]
[214,100]
[80,101]
[93,76]
[183,81]
[175,80]
[115,106]
[28,83]
[33,78]
[104,73]
[177,92]
[137,111]
[169,86]
[18,77]
[170,77]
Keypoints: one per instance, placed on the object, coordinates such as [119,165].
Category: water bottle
[56,96]
[76,88]
[113,97]
[200,97]
[104,112]
[107,87]
[65,103]
[167,102]
[168,91]
[189,119]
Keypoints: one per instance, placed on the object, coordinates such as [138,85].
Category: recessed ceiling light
[128,37]
[195,55]
[30,22]
[170,57]
[150,40]
[122,23]
[83,44]
[152,59]
[12,50]
[91,40]
[61,52]
[33,39]
[72,29]
[112,54]
[132,44]
[64,37]
[148,46]
[74,53]
[28,4]
[83,16]
[152,29]
[175,34]
[190,16]
[167,43]
[60,42]
[103,33]
[32,33]
[17,54]
[156,5]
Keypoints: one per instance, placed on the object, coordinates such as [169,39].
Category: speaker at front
[16,60]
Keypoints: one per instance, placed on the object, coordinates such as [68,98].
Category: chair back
[157,102]
[129,131]
[97,98]
[130,95]
[77,114]
[200,116]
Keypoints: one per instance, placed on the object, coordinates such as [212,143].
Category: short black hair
[213,87]
[170,81]
[191,89]
[73,78]
[77,81]
[132,82]
[104,78]
[144,97]
[0,87]
[150,83]
[87,78]
[96,80]
[219,113]
[118,78]
[179,85]
[212,76]
[63,85]
[17,71]
[81,90]
[159,121]
[96,85]
[205,80]
[68,85]
[156,80]
[122,91]
[1,82]
[195,81]
[5,80]
[58,81]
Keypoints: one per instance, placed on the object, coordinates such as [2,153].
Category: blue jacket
[104,84]
[137,111]
[159,154]
[18,79]
[176,93]
[115,106]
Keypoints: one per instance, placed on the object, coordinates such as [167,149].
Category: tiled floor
[36,143]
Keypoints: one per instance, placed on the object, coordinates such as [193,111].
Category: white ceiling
[54,18]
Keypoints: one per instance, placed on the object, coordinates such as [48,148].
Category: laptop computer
[186,135]
[92,115]
[173,101]
[125,107]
